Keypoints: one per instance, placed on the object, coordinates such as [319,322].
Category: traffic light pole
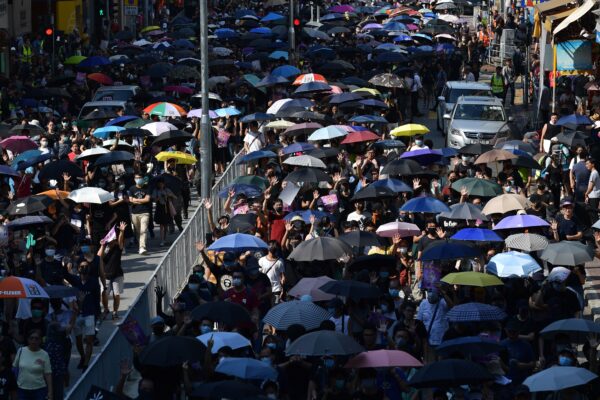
[52,66]
[291,37]
[205,125]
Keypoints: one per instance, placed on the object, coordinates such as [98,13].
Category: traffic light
[297,25]
[49,31]
[101,11]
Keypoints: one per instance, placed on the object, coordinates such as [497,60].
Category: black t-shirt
[100,215]
[139,193]
[52,272]
[567,227]
[8,383]
[561,304]
[65,236]
[112,263]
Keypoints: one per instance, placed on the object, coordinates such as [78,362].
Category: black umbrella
[572,139]
[307,176]
[302,129]
[233,389]
[172,182]
[124,35]
[373,262]
[320,248]
[29,205]
[170,138]
[28,221]
[55,170]
[135,132]
[352,289]
[242,223]
[526,162]
[98,114]
[159,70]
[361,239]
[449,373]
[60,291]
[114,157]
[324,343]
[475,149]
[48,93]
[172,351]
[324,152]
[30,129]
[372,192]
[229,313]
[403,167]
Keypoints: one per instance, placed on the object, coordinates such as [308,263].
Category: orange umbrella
[306,78]
[54,194]
[165,109]
[15,287]
[100,78]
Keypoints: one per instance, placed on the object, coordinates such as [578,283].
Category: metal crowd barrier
[171,273]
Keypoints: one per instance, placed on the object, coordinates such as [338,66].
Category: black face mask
[431,231]
[158,330]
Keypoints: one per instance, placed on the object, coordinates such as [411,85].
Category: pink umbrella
[310,286]
[383,359]
[412,27]
[18,144]
[178,89]
[341,9]
[360,136]
[197,112]
[335,89]
[398,228]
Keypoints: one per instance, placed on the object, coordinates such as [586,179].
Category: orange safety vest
[483,38]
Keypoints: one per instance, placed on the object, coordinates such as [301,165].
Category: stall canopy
[576,15]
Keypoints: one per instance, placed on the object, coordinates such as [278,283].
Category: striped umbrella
[475,312]
[305,313]
[165,109]
[526,242]
[306,78]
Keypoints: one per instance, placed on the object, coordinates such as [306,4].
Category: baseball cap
[297,218]
[157,321]
[567,201]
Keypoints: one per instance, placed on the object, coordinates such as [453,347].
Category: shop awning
[551,19]
[547,6]
[578,13]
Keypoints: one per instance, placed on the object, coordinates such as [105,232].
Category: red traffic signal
[49,31]
[296,22]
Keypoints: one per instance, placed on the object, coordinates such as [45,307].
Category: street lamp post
[291,36]
[205,125]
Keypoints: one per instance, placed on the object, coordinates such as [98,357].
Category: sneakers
[143,252]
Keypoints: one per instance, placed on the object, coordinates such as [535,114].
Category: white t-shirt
[255,141]
[274,270]
[338,323]
[595,179]
[32,366]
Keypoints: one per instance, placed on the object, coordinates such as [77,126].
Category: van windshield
[479,112]
[454,94]
[113,95]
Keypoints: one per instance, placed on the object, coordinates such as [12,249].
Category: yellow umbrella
[53,194]
[472,278]
[150,29]
[372,91]
[180,157]
[410,130]
[279,124]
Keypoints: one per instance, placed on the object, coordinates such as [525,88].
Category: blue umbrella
[449,152]
[403,38]
[391,57]
[331,17]
[469,346]
[227,111]
[558,378]
[121,120]
[394,184]
[475,312]
[477,235]
[184,44]
[368,119]
[6,170]
[286,71]
[373,103]
[94,61]
[388,47]
[306,214]
[520,222]
[271,17]
[256,155]
[246,368]
[278,54]
[297,147]
[312,87]
[444,250]
[250,191]
[423,156]
[238,242]
[21,165]
[422,36]
[25,156]
[425,205]
[327,133]
[226,33]
[301,312]
[271,80]
[445,48]
[389,144]
[394,26]
[575,119]
[512,263]
[30,220]
[105,131]
[244,12]
[261,30]
[344,97]
[259,116]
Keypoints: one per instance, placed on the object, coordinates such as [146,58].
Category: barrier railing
[170,273]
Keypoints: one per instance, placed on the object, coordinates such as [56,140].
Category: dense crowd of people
[355,257]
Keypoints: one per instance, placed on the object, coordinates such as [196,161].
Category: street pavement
[138,270]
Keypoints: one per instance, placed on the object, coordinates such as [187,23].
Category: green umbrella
[478,187]
[74,60]
[254,80]
[252,180]
[136,123]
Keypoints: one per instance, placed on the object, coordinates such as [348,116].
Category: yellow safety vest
[497,84]
[27,55]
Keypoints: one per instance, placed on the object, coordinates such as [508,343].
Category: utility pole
[52,64]
[291,37]
[205,125]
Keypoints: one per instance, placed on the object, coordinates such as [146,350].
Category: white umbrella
[275,107]
[215,80]
[93,195]
[279,124]
[222,51]
[142,42]
[111,142]
[156,128]
[305,161]
[94,151]
[453,19]
[512,263]
[445,36]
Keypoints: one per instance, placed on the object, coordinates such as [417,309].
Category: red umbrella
[178,89]
[18,144]
[100,78]
[383,359]
[360,136]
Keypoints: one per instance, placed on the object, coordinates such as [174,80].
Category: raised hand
[416,183]
[122,226]
[200,246]
[396,239]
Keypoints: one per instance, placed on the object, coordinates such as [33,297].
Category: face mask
[272,345]
[85,249]
[394,292]
[278,209]
[121,187]
[193,286]
[328,362]
[205,329]
[368,383]
[507,189]
[403,250]
[139,181]
[565,361]
[237,282]
[50,252]
[384,274]
[384,308]
[340,383]
[419,142]
[65,124]
[104,169]
[37,313]
[266,360]
[431,231]
[465,158]
[433,297]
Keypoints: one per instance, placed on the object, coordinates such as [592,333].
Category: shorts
[115,286]
[85,325]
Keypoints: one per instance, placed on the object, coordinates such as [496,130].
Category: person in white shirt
[272,265]
[341,320]
[414,95]
[358,215]
[254,140]
[418,144]
[592,194]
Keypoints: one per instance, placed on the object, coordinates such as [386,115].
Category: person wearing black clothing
[36,322]
[101,219]
[8,381]
[120,206]
[223,274]
[141,209]
[111,253]
[198,291]
[566,226]
[51,270]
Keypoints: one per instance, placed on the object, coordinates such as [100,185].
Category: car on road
[116,93]
[452,91]
[477,119]
[110,107]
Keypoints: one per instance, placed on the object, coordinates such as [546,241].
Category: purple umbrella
[341,9]
[423,156]
[369,27]
[520,221]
